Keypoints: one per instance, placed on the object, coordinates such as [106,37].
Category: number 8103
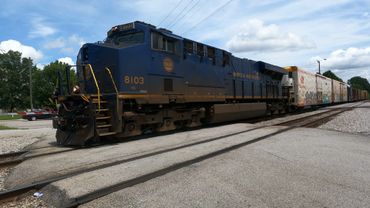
[134,80]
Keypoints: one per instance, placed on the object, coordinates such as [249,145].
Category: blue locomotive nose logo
[168,64]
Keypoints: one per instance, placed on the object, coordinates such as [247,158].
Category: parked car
[37,114]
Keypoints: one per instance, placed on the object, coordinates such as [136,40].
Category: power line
[175,19]
[214,12]
[185,14]
[177,5]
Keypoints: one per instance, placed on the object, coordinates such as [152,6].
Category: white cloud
[256,36]
[68,50]
[27,51]
[68,46]
[75,39]
[67,60]
[349,58]
[346,63]
[57,43]
[40,66]
[40,29]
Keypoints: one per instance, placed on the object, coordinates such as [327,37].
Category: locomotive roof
[139,24]
[272,68]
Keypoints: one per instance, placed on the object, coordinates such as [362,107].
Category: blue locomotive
[145,79]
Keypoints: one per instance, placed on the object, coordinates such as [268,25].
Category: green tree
[14,78]
[359,83]
[331,75]
[45,82]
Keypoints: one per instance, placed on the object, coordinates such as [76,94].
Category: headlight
[76,89]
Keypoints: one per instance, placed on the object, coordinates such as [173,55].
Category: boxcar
[343,92]
[336,89]
[305,92]
[323,85]
[364,95]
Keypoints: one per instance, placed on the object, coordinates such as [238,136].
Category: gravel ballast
[355,121]
[16,140]
[26,201]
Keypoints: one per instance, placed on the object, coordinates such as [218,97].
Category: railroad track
[14,158]
[318,119]
[308,121]
[312,120]
[11,158]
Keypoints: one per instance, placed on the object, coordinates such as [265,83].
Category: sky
[280,32]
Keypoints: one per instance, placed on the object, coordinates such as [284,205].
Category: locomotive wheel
[167,125]
[194,122]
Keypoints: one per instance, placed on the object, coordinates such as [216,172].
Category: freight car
[364,95]
[357,94]
[144,79]
[316,90]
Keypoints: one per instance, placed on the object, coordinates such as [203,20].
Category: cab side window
[162,43]
[188,47]
[170,46]
[226,58]
[157,42]
[211,54]
[200,49]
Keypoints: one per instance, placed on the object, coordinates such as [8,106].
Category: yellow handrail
[114,84]
[96,84]
[111,77]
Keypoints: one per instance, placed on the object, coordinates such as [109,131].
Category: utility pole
[31,88]
[318,61]
[31,100]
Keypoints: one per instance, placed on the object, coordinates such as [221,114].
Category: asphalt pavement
[298,168]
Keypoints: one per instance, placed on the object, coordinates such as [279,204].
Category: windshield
[125,40]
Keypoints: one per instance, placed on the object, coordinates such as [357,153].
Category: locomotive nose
[83,55]
[88,53]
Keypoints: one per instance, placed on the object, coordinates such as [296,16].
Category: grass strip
[9,117]
[6,127]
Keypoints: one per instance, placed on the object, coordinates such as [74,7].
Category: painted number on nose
[138,80]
